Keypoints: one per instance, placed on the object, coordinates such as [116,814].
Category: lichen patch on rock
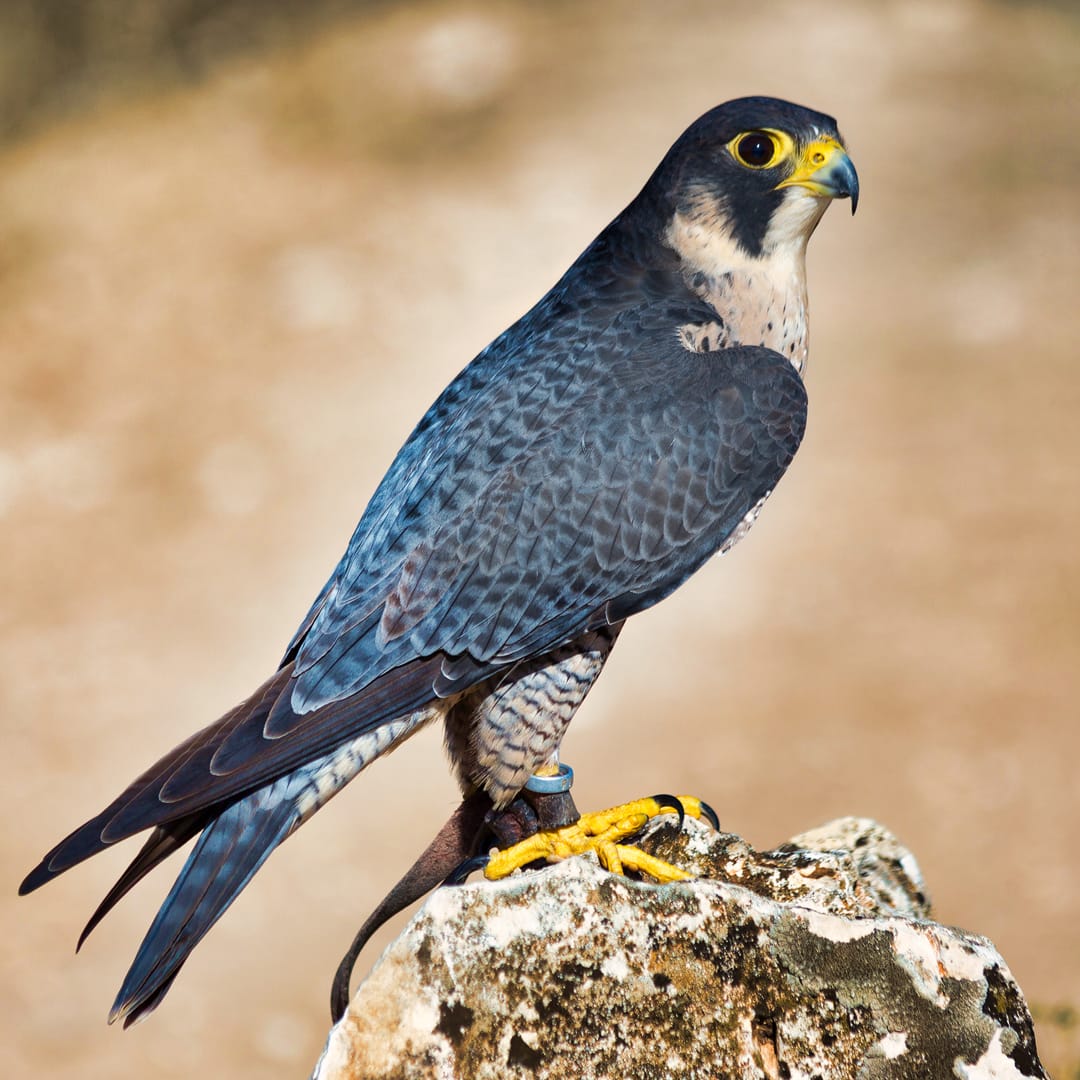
[816,959]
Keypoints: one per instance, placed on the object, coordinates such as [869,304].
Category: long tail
[245,788]
[151,802]
[162,842]
[230,850]
[236,840]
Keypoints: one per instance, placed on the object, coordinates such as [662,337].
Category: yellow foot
[601,832]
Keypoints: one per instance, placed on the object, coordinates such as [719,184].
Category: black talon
[709,813]
[460,873]
[673,803]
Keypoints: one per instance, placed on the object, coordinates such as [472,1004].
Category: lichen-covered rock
[817,959]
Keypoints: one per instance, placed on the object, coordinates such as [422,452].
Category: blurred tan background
[241,250]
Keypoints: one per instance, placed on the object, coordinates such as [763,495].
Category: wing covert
[591,486]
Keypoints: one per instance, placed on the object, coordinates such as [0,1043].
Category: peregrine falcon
[581,468]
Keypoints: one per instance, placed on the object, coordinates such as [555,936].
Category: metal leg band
[552,785]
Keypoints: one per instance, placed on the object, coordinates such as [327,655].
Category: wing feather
[657,457]
[560,527]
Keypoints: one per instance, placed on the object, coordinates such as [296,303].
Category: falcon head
[758,171]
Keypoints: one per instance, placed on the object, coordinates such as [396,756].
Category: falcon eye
[758,149]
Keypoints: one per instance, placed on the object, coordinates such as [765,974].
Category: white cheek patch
[704,242]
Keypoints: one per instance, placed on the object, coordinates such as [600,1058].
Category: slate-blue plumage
[577,471]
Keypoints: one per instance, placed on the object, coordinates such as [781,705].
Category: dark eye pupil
[756,149]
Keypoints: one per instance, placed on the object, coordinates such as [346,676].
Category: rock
[818,959]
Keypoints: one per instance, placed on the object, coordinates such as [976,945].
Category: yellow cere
[818,155]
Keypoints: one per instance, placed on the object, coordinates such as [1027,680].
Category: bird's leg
[544,807]
[542,825]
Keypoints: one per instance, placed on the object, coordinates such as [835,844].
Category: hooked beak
[825,169]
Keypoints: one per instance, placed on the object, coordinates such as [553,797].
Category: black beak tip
[851,186]
[844,181]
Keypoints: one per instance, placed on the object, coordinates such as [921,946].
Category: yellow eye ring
[761,149]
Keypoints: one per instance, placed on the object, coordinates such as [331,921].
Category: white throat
[760,299]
